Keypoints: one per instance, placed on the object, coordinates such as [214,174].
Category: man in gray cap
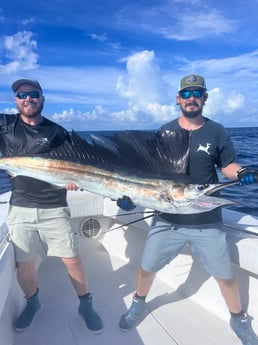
[210,147]
[33,202]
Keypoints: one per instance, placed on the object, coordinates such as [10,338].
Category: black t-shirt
[210,147]
[18,138]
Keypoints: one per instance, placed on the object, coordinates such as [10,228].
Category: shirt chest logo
[42,141]
[204,148]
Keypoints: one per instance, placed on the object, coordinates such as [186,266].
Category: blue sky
[117,64]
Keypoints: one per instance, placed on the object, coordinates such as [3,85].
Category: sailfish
[149,167]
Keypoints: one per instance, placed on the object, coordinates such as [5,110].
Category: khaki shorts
[51,228]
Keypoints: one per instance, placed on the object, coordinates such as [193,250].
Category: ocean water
[245,197]
[246,145]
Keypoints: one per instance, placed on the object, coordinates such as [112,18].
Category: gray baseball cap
[26,81]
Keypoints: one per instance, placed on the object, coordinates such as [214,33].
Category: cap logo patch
[192,79]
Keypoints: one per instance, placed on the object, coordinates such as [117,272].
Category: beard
[33,112]
[192,113]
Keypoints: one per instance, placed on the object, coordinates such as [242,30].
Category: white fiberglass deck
[184,306]
[170,319]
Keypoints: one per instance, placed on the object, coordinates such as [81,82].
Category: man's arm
[231,170]
[234,171]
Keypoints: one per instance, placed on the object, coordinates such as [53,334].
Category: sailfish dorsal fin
[142,152]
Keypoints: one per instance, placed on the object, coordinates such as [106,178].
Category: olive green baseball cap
[192,80]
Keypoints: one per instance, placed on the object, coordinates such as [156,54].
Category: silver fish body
[163,195]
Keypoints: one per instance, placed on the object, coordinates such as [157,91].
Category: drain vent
[90,228]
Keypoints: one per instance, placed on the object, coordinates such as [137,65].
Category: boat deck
[170,317]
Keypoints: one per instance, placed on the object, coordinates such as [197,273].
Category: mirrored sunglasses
[25,94]
[188,93]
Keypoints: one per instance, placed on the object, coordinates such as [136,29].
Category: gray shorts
[208,244]
[51,228]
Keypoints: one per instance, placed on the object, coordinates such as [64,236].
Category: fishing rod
[249,232]
[154,213]
[131,213]
[254,233]
[134,221]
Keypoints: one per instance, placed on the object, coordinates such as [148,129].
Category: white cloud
[233,67]
[101,38]
[234,103]
[203,24]
[177,21]
[65,115]
[150,113]
[144,82]
[220,103]
[27,21]
[70,115]
[9,111]
[147,92]
[19,50]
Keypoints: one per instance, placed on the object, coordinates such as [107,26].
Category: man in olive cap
[210,147]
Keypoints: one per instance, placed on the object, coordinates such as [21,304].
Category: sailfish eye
[202,186]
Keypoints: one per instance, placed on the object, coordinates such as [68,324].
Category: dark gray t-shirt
[210,147]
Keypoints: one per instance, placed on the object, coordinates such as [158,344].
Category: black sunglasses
[188,93]
[25,94]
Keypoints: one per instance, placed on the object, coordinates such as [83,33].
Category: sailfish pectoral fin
[207,203]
